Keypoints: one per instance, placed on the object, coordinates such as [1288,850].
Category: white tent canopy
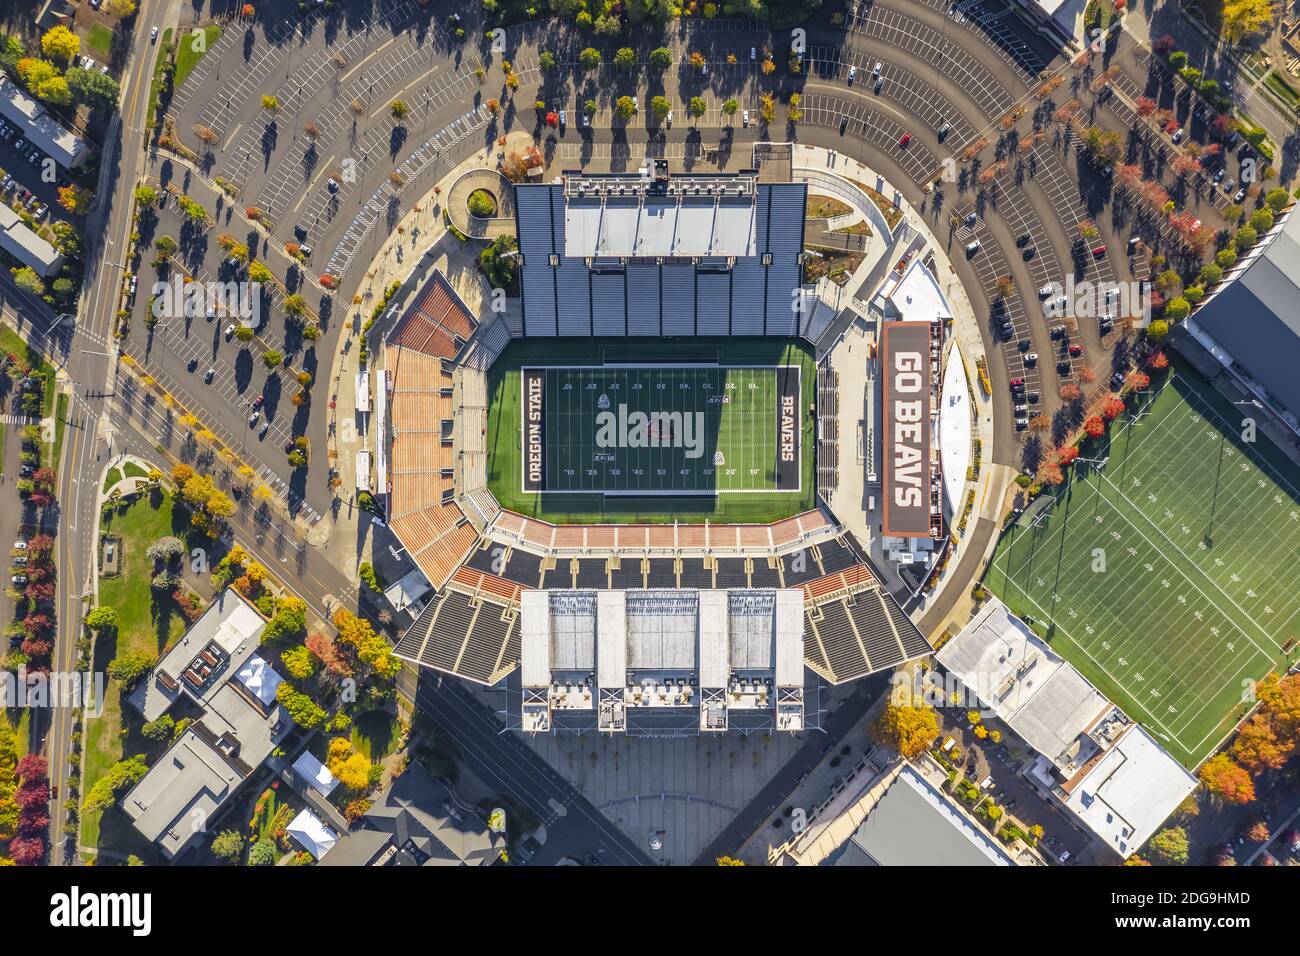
[260,679]
[314,837]
[315,773]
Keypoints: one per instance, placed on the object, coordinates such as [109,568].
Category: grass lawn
[1278,84]
[187,58]
[112,477]
[100,39]
[826,207]
[133,469]
[159,71]
[19,720]
[1158,576]
[504,438]
[375,734]
[60,428]
[140,628]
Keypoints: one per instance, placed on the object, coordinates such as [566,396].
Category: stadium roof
[915,295]
[1253,316]
[654,267]
[914,824]
[660,226]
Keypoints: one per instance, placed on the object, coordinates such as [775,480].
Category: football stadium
[612,490]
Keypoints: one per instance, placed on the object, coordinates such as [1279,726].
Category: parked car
[1076,349]
[153,35]
[20,545]
[744,118]
[1022,240]
[209,375]
[853,73]
[230,331]
[191,365]
[1031,359]
[907,138]
[1178,135]
[257,402]
[261,432]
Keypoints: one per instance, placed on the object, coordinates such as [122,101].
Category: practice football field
[1167,575]
[661,429]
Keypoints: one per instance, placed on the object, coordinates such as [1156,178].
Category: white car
[564,118]
[586,119]
[744,117]
[20,545]
[753,53]
[153,35]
[230,331]
[1178,135]
[853,72]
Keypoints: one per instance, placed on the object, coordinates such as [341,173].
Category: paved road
[88,368]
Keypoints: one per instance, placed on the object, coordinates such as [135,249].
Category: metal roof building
[654,255]
[44,131]
[1251,322]
[26,246]
[916,824]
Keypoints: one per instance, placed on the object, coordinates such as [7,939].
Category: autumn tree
[908,729]
[1227,780]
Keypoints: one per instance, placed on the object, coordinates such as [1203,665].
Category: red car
[1099,251]
[1017,382]
[257,402]
[907,138]
[1076,349]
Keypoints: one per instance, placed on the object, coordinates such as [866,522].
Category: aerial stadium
[613,491]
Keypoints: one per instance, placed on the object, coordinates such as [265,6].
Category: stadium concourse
[692,603]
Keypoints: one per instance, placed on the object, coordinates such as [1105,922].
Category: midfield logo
[624,429]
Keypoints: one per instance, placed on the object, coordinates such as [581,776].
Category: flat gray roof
[916,825]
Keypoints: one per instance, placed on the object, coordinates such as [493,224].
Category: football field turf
[1167,575]
[661,430]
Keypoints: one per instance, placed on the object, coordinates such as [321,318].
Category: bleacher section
[828,422]
[424,405]
[852,626]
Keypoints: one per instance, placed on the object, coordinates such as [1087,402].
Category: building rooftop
[1251,321]
[219,643]
[44,131]
[915,824]
[26,246]
[1105,768]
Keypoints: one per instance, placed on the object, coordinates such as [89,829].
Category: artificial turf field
[1167,576]
[663,430]
[733,479]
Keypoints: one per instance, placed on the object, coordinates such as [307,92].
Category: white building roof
[1130,791]
[315,773]
[955,436]
[611,631]
[660,226]
[916,296]
[409,590]
[1036,693]
[363,391]
[535,638]
[313,835]
[714,668]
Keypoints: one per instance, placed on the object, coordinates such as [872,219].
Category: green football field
[663,430]
[734,472]
[1166,575]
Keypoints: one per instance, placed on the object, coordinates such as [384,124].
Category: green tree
[661,58]
[625,58]
[547,61]
[1277,199]
[624,108]
[270,103]
[399,110]
[228,846]
[263,853]
[115,781]
[272,358]
[1169,847]
[1157,330]
[27,280]
[159,730]
[1177,309]
[589,59]
[730,107]
[659,106]
[129,666]
[1243,18]
[697,106]
[299,662]
[102,619]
